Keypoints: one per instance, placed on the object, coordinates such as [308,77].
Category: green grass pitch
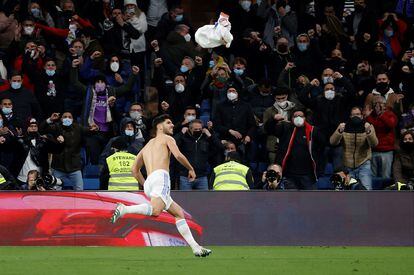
[224,260]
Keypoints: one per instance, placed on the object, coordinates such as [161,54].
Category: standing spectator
[299,150]
[10,119]
[142,125]
[197,144]
[392,33]
[385,123]
[403,168]
[25,104]
[307,56]
[357,138]
[260,98]
[66,165]
[169,21]
[231,175]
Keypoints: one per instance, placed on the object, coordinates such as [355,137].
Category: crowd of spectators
[307,89]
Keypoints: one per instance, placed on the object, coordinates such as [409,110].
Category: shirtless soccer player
[156,158]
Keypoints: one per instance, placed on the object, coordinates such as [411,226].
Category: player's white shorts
[157,185]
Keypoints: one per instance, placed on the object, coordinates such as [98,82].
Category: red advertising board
[82,218]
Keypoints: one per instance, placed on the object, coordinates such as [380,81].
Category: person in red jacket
[384,121]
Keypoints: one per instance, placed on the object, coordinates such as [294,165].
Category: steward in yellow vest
[117,172]
[232,175]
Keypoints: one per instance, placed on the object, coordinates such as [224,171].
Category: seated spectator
[25,104]
[271,179]
[97,108]
[403,167]
[299,150]
[385,123]
[197,144]
[357,138]
[231,175]
[66,165]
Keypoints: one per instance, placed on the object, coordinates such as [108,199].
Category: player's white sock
[143,209]
[185,231]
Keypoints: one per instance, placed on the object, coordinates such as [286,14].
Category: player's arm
[172,146]
[136,168]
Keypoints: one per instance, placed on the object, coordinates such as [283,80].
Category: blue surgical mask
[35,12]
[238,71]
[184,69]
[6,110]
[67,121]
[388,33]
[179,18]
[16,85]
[1,123]
[302,46]
[129,133]
[50,72]
[211,64]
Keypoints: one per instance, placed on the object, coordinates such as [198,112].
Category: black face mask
[407,146]
[282,48]
[382,87]
[32,135]
[196,134]
[355,125]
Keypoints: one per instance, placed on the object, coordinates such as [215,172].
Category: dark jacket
[25,104]
[284,131]
[236,116]
[197,151]
[403,167]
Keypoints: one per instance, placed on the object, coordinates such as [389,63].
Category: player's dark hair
[160,119]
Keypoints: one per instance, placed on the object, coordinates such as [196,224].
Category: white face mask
[232,96]
[298,121]
[246,5]
[327,79]
[135,115]
[129,133]
[72,27]
[329,94]
[179,88]
[187,37]
[282,104]
[114,66]
[28,30]
[190,118]
[287,8]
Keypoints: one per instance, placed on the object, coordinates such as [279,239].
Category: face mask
[32,135]
[196,134]
[50,72]
[79,52]
[302,46]
[135,115]
[382,87]
[100,87]
[329,94]
[282,104]
[232,96]
[6,110]
[246,5]
[16,85]
[35,12]
[388,33]
[298,121]
[356,121]
[114,66]
[72,27]
[67,121]
[1,123]
[407,146]
[282,48]
[179,18]
[287,8]
[28,30]
[129,133]
[327,79]
[190,118]
[238,71]
[211,64]
[130,11]
[187,37]
[183,69]
[221,79]
[412,60]
[179,88]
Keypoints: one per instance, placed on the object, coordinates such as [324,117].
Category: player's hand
[191,175]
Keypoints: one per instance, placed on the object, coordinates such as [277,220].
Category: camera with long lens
[272,176]
[48,182]
[337,181]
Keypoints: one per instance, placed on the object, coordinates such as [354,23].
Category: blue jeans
[199,183]
[363,173]
[382,164]
[73,179]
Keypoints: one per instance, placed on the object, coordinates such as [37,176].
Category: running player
[156,158]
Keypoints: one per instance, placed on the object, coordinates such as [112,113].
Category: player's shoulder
[168,138]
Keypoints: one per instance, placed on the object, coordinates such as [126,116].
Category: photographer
[342,180]
[35,182]
[271,179]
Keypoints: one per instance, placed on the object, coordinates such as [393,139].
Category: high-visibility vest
[2,179]
[230,176]
[120,171]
